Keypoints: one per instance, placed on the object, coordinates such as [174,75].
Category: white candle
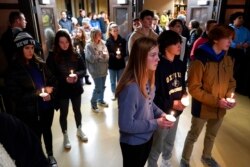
[105,52]
[231,99]
[118,52]
[185,100]
[77,49]
[72,73]
[170,117]
[43,93]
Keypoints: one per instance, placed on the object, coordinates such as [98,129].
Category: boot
[87,80]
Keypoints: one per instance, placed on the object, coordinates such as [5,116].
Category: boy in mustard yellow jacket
[210,83]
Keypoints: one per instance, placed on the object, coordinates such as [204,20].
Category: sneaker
[209,162]
[103,104]
[95,109]
[184,163]
[166,163]
[52,161]
[113,97]
[66,142]
[81,135]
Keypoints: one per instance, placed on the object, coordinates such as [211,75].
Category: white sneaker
[113,97]
[66,142]
[166,163]
[81,135]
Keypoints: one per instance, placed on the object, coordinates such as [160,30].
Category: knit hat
[22,39]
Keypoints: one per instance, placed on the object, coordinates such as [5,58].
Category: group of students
[152,87]
[36,87]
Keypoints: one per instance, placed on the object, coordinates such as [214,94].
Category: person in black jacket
[79,42]
[21,143]
[27,77]
[117,52]
[69,68]
[170,88]
[17,23]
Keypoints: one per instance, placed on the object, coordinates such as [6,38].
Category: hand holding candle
[170,117]
[118,53]
[231,99]
[43,93]
[72,73]
[72,77]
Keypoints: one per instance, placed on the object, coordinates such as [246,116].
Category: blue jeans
[98,91]
[115,75]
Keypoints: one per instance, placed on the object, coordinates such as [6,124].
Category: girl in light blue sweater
[139,117]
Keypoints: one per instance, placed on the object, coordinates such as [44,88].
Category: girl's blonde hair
[136,70]
[109,28]
[93,33]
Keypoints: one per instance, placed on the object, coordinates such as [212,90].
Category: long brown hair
[57,49]
[136,70]
[83,37]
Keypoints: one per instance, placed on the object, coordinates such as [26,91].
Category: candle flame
[232,95]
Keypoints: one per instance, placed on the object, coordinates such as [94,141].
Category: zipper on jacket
[218,108]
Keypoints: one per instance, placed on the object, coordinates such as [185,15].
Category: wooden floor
[231,149]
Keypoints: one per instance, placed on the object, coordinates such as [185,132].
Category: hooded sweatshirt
[210,79]
[170,84]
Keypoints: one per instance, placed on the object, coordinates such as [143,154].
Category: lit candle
[77,49]
[231,99]
[170,117]
[185,100]
[72,73]
[104,52]
[43,93]
[118,52]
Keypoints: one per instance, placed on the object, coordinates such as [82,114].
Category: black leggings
[46,119]
[135,155]
[43,127]
[64,109]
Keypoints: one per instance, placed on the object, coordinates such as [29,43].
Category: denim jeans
[163,142]
[98,92]
[64,109]
[212,129]
[115,75]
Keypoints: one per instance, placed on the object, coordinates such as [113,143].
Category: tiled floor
[232,146]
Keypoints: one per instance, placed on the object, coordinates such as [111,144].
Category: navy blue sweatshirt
[170,84]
